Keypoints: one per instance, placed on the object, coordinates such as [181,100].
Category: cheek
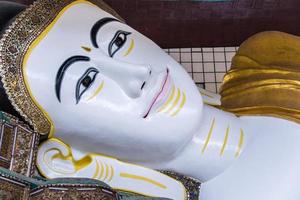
[68,92]
[110,94]
[111,100]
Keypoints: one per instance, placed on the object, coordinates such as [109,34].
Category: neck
[218,143]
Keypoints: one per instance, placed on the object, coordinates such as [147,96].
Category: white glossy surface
[267,169]
[238,158]
[54,161]
[112,122]
[208,154]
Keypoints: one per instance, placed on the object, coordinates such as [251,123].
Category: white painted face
[108,89]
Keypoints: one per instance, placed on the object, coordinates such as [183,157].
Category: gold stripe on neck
[241,142]
[225,142]
[209,136]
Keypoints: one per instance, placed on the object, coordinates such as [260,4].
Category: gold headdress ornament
[27,26]
[265,77]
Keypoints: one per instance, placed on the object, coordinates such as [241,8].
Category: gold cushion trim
[265,77]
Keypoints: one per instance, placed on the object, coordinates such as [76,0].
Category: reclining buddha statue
[115,107]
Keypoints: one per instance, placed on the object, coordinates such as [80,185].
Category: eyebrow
[63,68]
[97,26]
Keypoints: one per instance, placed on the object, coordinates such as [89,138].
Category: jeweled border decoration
[191,185]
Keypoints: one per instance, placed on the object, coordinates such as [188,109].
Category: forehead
[65,35]
[60,40]
[70,28]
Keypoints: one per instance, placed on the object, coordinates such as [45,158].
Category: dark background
[184,23]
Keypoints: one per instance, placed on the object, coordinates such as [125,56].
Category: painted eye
[85,82]
[117,42]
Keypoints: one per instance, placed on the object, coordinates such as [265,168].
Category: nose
[130,77]
[133,79]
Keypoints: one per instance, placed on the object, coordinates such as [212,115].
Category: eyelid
[86,73]
[110,53]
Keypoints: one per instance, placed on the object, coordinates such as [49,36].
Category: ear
[55,159]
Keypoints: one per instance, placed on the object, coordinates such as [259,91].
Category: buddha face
[108,89]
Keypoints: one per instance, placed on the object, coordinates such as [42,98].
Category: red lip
[157,96]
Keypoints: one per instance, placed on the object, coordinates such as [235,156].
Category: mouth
[160,95]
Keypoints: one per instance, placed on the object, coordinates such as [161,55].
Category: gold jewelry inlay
[105,168]
[225,142]
[169,100]
[98,90]
[112,173]
[181,106]
[241,142]
[97,170]
[175,102]
[130,48]
[142,178]
[106,171]
[208,136]
[87,49]
[102,171]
